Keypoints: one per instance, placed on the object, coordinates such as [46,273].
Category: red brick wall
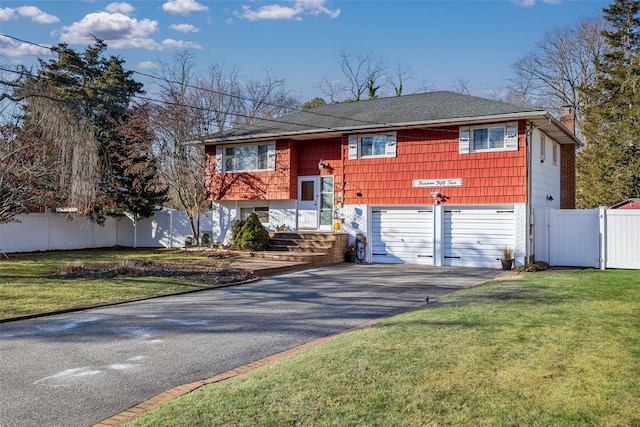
[488,177]
[567,177]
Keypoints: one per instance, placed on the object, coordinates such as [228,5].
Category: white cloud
[117,30]
[11,48]
[6,14]
[32,12]
[531,3]
[147,65]
[180,44]
[184,28]
[276,11]
[120,7]
[183,7]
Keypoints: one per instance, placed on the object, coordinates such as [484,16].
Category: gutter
[530,115]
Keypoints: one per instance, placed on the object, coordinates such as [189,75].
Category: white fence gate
[599,238]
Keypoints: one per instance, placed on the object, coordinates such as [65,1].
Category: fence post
[602,234]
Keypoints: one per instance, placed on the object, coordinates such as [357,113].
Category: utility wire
[243,98]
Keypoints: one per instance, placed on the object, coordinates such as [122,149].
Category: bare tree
[562,64]
[194,107]
[177,121]
[397,77]
[461,86]
[362,73]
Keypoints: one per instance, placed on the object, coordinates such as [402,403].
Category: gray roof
[379,114]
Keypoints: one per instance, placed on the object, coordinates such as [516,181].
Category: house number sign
[445,182]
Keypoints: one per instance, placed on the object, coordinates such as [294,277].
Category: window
[543,143]
[555,153]
[245,158]
[260,211]
[494,137]
[372,145]
[488,138]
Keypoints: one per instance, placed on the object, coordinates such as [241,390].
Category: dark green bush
[236,226]
[253,235]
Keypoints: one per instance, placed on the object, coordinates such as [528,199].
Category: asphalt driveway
[79,368]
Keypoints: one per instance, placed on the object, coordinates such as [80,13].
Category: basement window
[261,211]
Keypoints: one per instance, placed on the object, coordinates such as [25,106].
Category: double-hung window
[493,137]
[489,138]
[245,158]
[372,145]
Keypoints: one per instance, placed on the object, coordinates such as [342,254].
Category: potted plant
[350,255]
[507,258]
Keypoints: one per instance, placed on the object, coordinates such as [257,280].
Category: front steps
[310,247]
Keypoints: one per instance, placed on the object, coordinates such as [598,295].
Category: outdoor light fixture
[549,198]
[321,164]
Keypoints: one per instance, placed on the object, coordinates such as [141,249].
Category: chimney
[568,119]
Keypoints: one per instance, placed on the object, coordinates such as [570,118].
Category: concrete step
[304,235]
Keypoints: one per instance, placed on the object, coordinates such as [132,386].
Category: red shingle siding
[488,177]
[267,185]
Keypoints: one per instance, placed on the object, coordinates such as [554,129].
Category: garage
[475,237]
[402,235]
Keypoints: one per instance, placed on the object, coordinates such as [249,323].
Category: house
[627,204]
[436,178]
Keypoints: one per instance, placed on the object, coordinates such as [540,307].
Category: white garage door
[475,237]
[402,235]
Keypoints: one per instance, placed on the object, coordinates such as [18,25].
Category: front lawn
[547,350]
[27,285]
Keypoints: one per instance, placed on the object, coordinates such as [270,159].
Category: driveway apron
[77,369]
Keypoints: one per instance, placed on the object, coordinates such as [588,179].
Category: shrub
[253,235]
[236,227]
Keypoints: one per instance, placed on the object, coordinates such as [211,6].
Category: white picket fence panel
[600,238]
[49,231]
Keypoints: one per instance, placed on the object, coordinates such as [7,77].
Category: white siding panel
[623,238]
[475,237]
[402,235]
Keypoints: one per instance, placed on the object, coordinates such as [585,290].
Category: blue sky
[439,42]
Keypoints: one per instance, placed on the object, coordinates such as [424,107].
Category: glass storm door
[326,202]
[308,202]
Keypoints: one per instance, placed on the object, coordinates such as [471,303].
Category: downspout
[530,243]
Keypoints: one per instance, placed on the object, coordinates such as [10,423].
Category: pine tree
[81,104]
[608,170]
[252,236]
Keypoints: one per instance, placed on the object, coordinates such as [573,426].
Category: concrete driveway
[77,369]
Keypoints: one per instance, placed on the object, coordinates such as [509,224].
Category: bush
[236,227]
[253,235]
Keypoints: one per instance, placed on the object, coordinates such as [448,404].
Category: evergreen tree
[82,105]
[252,236]
[608,170]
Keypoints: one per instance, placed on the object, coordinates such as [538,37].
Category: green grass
[23,290]
[547,350]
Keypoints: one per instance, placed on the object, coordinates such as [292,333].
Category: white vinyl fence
[600,238]
[168,228]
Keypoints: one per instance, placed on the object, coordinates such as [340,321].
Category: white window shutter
[353,147]
[512,136]
[271,157]
[392,144]
[219,159]
[464,141]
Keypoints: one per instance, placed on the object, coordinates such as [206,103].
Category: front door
[308,202]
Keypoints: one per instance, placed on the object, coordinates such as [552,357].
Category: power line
[230,95]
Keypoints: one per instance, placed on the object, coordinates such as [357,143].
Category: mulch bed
[212,270]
